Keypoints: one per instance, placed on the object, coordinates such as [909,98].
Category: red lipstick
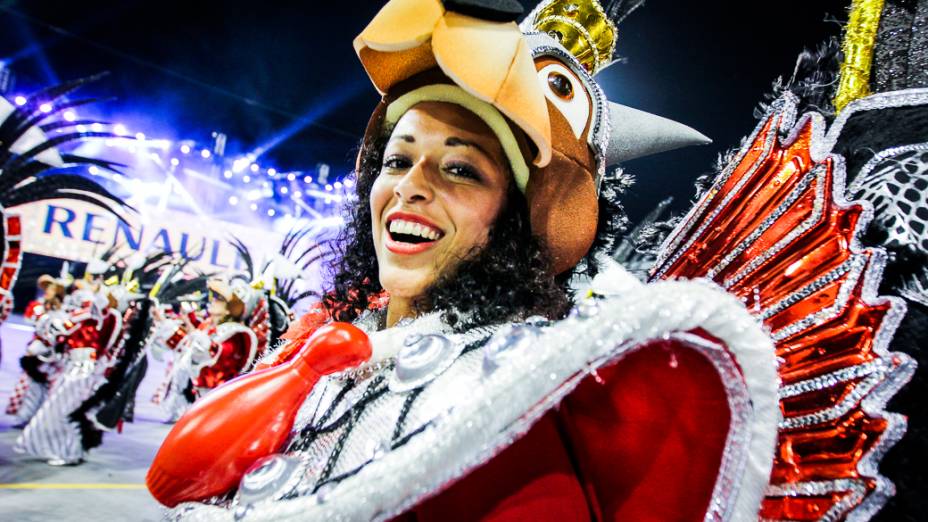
[401,247]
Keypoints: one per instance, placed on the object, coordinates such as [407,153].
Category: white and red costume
[209,355]
[88,336]
[205,358]
[41,363]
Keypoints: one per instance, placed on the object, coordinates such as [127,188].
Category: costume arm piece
[526,371]
[84,335]
[49,330]
[194,318]
[167,333]
[33,310]
[10,248]
[213,445]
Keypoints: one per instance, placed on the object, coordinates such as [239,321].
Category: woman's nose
[414,185]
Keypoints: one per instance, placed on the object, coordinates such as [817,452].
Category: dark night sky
[256,69]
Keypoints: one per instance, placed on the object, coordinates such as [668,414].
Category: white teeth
[399,226]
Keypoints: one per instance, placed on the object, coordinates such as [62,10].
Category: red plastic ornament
[212,446]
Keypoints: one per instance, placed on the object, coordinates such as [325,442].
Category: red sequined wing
[776,231]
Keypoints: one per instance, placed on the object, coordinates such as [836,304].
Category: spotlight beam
[36,49]
[178,187]
[308,209]
[341,95]
[178,76]
[207,179]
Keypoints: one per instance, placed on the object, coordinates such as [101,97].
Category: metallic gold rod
[859,41]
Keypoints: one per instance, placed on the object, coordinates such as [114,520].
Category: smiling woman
[481,193]
[439,378]
[445,229]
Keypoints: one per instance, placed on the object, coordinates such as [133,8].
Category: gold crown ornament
[582,27]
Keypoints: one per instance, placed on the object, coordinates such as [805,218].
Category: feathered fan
[28,156]
[31,168]
[285,269]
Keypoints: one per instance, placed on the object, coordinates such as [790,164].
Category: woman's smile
[406,233]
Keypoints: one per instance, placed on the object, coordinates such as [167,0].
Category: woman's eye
[396,162]
[462,171]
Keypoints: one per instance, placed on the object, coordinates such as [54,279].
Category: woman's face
[218,308]
[443,182]
[52,292]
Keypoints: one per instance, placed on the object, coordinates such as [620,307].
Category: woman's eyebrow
[404,137]
[454,141]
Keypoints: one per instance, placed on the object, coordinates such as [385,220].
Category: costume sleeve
[168,333]
[33,310]
[195,319]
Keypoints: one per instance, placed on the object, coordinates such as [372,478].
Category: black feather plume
[26,179]
[617,10]
[245,254]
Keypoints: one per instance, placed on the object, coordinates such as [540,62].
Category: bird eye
[564,89]
[561,85]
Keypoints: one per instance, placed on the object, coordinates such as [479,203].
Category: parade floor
[108,486]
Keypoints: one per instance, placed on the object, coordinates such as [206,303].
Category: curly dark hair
[507,279]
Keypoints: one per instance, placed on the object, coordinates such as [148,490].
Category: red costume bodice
[232,353]
[87,329]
